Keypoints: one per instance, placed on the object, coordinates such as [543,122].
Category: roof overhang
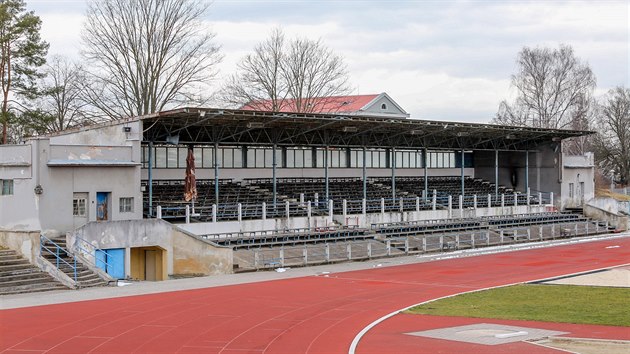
[244,127]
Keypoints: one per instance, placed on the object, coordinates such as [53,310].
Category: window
[571,190]
[384,106]
[78,206]
[126,205]
[7,186]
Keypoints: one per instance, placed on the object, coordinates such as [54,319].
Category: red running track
[318,314]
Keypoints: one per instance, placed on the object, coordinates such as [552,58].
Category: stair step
[33,274]
[7,252]
[20,289]
[11,262]
[39,279]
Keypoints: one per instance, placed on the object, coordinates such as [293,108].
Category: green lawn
[550,303]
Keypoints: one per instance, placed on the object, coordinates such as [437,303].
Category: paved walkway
[320,313]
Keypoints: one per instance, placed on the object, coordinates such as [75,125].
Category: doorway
[102,206]
[148,263]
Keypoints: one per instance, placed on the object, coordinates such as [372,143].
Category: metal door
[102,206]
[112,261]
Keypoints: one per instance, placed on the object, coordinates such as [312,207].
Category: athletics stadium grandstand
[279,188]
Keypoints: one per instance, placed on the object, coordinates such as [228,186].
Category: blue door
[102,206]
[111,261]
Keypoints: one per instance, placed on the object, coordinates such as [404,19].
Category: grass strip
[537,302]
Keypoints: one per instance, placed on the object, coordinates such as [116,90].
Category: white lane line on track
[359,336]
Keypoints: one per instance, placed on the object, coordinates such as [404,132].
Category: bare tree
[287,74]
[552,86]
[62,94]
[260,82]
[145,55]
[612,143]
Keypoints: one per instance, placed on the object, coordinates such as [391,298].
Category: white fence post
[539,198]
[327,252]
[214,213]
[382,205]
[187,214]
[288,209]
[239,210]
[349,251]
[364,206]
[434,201]
[308,209]
[264,211]
[330,211]
[418,203]
[450,206]
[475,202]
[159,212]
[515,199]
[344,211]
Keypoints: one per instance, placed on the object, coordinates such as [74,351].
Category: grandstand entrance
[148,263]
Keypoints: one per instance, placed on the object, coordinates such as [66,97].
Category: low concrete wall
[186,253]
[606,209]
[360,220]
[25,243]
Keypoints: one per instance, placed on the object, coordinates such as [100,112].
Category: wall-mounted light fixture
[38,189]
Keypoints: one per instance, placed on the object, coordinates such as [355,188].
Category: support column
[216,173]
[527,172]
[393,162]
[364,175]
[462,172]
[273,176]
[496,173]
[151,179]
[426,178]
[326,170]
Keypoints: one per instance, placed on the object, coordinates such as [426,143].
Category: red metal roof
[333,104]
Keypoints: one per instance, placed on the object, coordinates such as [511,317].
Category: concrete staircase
[85,277]
[18,276]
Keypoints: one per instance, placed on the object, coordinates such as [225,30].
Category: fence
[313,254]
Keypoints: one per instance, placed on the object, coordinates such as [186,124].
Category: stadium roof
[246,127]
[333,104]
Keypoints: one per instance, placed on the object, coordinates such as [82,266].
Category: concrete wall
[185,253]
[607,209]
[20,210]
[578,180]
[25,243]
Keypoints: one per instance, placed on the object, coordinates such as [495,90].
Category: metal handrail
[43,238]
[95,249]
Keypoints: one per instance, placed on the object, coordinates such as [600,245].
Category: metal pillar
[326,170]
[364,175]
[527,172]
[462,171]
[150,179]
[216,173]
[273,174]
[496,173]
[426,178]
[393,162]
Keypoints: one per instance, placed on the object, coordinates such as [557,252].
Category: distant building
[375,105]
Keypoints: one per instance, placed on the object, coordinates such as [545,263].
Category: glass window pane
[290,158]
[183,153]
[160,157]
[171,157]
[207,158]
[308,158]
[251,157]
[198,159]
[343,158]
[299,158]
[320,157]
[228,155]
[238,158]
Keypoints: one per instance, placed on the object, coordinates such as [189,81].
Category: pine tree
[23,52]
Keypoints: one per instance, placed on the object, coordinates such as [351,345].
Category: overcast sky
[445,60]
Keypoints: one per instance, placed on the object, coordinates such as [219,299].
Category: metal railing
[57,251]
[84,247]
